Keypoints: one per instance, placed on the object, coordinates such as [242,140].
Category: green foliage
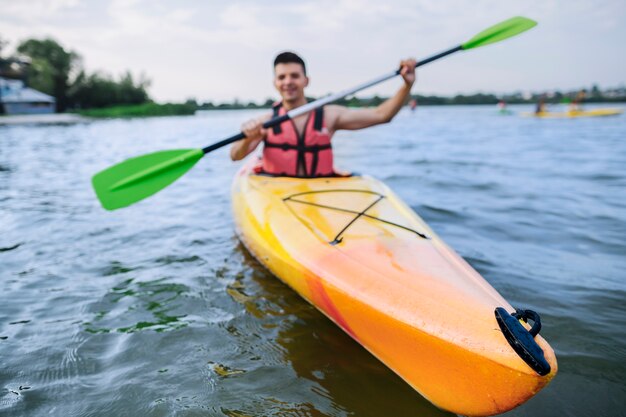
[476,99]
[58,72]
[595,92]
[432,100]
[236,105]
[60,60]
[142,110]
[3,43]
[98,91]
[41,77]
[51,68]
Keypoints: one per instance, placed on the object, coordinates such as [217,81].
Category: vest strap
[318,119]
[276,128]
[299,148]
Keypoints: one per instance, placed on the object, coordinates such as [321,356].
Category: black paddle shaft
[436,57]
[273,122]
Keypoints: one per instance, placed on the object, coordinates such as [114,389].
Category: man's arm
[253,129]
[343,118]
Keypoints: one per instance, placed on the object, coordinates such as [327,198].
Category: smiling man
[302,147]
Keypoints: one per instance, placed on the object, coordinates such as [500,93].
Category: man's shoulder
[333,111]
[334,108]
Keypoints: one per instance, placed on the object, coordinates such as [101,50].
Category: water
[157,310]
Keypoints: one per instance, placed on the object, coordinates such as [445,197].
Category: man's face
[290,81]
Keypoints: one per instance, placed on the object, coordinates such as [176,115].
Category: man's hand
[407,70]
[253,129]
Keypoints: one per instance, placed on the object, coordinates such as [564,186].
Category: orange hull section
[408,299]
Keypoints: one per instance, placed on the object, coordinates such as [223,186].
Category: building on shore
[16,98]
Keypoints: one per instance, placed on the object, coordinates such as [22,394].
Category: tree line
[46,66]
[594,95]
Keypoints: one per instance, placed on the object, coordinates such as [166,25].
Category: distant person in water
[413,104]
[502,106]
[541,104]
[575,105]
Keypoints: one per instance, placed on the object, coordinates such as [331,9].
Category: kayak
[353,249]
[575,114]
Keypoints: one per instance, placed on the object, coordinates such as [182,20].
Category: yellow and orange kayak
[353,249]
[575,114]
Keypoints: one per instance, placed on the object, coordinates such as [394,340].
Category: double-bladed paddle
[137,178]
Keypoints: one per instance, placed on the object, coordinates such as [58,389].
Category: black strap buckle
[522,340]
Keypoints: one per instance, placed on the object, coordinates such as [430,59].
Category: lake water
[157,310]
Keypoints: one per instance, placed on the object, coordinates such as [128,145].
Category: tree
[5,63]
[51,68]
[100,90]
[3,43]
[595,92]
[191,101]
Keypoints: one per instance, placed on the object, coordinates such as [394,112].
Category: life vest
[285,150]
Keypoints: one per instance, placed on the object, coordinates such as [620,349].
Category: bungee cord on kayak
[338,238]
[361,213]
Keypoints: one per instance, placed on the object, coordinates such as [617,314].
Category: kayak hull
[355,251]
[575,114]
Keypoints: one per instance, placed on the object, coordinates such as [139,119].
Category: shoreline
[73,118]
[42,119]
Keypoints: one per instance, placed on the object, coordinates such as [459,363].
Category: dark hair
[288,58]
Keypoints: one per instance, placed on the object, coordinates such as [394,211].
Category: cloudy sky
[214,50]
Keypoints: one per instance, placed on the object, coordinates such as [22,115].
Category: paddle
[137,178]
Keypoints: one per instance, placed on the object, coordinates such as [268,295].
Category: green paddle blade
[501,31]
[137,178]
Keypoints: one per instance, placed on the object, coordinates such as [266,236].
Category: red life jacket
[285,150]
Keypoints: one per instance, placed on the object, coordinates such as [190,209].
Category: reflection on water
[342,372]
[154,302]
[335,367]
[158,310]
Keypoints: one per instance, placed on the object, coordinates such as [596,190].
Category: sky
[223,50]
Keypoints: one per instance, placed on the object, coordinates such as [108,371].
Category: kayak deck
[360,255]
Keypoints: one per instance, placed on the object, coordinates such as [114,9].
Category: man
[575,105]
[540,107]
[301,147]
